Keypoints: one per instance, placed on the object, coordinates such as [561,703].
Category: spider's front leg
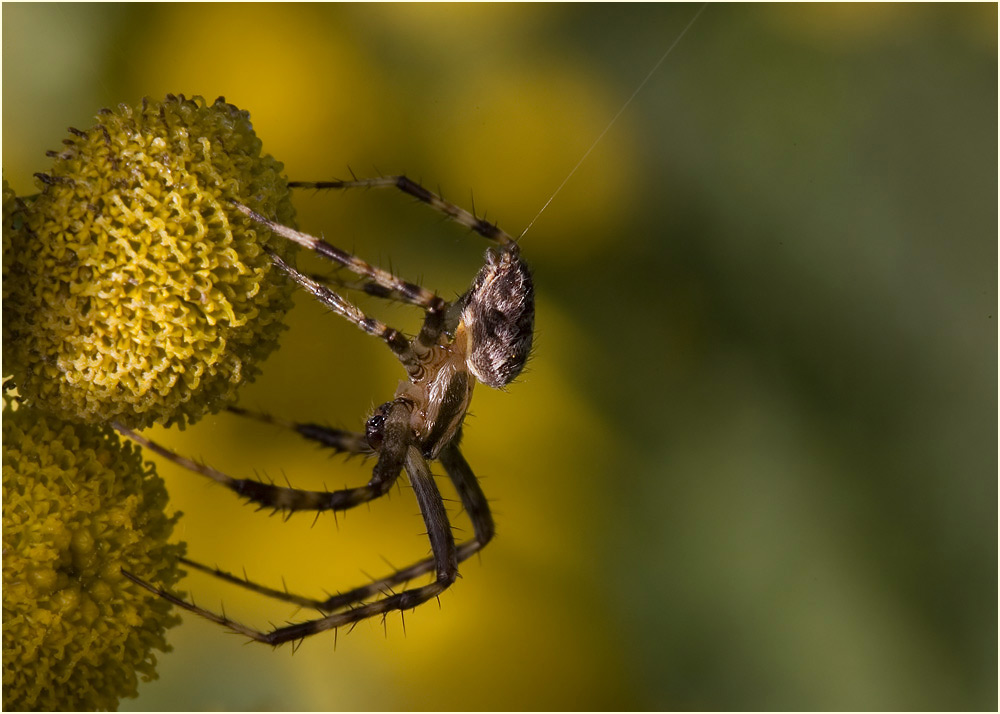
[281,498]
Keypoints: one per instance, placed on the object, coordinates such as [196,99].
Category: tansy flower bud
[137,293]
[78,506]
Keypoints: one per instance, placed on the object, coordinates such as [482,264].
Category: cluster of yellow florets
[137,293]
[11,223]
[78,506]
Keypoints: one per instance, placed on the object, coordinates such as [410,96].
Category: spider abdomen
[499,315]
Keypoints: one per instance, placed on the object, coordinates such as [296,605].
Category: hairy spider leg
[396,453]
[466,484]
[411,293]
[361,285]
[473,501]
[437,320]
[435,307]
[281,498]
[399,345]
[341,441]
[484,228]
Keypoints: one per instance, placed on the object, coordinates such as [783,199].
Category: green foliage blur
[752,464]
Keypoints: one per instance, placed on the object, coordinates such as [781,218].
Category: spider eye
[499,314]
[375,426]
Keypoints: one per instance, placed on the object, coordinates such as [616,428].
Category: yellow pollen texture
[133,290]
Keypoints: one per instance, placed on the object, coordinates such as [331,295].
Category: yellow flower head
[78,506]
[137,293]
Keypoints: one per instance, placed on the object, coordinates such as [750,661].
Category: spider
[483,336]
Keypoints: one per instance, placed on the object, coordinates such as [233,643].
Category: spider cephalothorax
[485,336]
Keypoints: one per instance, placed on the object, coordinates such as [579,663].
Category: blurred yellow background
[752,462]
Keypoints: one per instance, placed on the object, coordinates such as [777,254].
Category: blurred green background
[753,463]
